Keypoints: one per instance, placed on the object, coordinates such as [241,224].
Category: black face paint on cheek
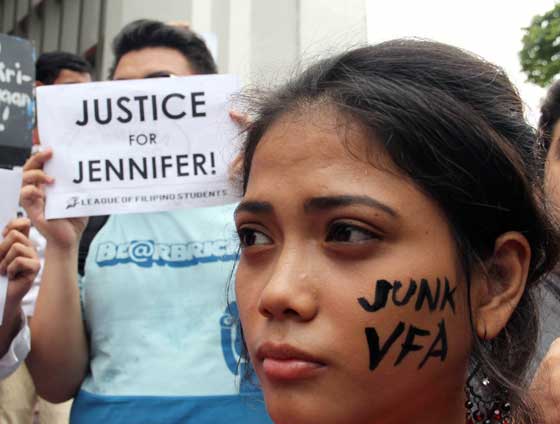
[438,348]
[376,353]
[448,296]
[409,345]
[382,290]
[409,293]
[434,300]
[442,297]
[441,340]
[425,295]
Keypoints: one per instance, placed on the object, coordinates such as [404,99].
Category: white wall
[274,40]
[328,26]
[280,35]
[52,24]
[69,28]
[163,10]
[239,42]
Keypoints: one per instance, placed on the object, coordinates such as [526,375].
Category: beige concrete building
[260,40]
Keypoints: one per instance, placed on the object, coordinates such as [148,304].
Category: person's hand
[546,385]
[240,119]
[19,261]
[64,233]
[236,166]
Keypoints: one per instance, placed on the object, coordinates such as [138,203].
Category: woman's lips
[285,363]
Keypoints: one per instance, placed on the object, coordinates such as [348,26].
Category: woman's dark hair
[49,65]
[550,114]
[144,33]
[455,125]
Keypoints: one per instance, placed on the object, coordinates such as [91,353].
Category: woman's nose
[290,292]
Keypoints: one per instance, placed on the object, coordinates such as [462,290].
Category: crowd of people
[398,239]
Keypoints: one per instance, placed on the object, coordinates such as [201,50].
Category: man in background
[61,68]
[141,344]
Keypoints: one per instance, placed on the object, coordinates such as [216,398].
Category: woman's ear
[496,293]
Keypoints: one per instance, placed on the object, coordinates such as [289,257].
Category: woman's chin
[297,409]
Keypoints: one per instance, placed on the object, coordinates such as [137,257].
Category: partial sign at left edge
[17,79]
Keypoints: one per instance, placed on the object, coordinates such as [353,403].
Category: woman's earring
[482,404]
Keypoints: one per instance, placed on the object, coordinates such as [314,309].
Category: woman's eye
[250,237]
[347,233]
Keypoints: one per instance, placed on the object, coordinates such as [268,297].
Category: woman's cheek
[416,322]
[246,297]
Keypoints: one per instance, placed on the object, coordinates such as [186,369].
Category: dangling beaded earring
[482,410]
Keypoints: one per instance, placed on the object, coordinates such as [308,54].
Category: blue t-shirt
[164,344]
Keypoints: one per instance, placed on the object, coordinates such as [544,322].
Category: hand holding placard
[19,265]
[18,260]
[138,146]
[61,232]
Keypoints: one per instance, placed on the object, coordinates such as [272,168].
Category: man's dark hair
[550,114]
[49,66]
[144,33]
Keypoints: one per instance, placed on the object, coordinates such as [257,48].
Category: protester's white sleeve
[19,348]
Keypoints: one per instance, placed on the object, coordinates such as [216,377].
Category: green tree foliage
[540,55]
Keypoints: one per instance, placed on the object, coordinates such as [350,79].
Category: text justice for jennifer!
[171,106]
[145,168]
[144,107]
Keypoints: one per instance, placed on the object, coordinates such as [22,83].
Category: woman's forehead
[304,157]
[315,134]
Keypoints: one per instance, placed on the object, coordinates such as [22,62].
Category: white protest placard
[10,184]
[138,146]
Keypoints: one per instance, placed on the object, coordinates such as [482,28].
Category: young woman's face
[350,294]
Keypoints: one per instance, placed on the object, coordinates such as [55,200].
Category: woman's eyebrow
[330,202]
[254,207]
